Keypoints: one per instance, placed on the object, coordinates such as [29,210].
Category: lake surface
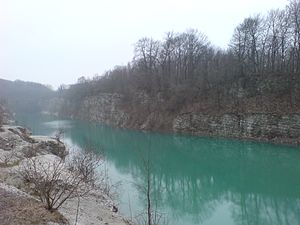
[194,180]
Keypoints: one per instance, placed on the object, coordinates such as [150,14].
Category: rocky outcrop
[19,203]
[146,112]
[259,126]
[104,108]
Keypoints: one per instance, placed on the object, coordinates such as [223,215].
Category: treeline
[24,97]
[263,58]
[269,44]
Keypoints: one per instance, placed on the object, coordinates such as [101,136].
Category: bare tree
[246,43]
[146,59]
[59,135]
[55,181]
[83,164]
[294,12]
[146,54]
[151,216]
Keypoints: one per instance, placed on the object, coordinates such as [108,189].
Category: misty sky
[57,41]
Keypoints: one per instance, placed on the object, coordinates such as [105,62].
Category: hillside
[26,97]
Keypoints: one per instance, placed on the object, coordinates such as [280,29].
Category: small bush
[60,151]
[84,165]
[56,181]
[29,151]
[10,159]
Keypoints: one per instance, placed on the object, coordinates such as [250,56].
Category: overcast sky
[57,41]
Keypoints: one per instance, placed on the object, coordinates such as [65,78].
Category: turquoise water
[195,180]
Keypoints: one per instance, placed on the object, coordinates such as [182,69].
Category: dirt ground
[19,210]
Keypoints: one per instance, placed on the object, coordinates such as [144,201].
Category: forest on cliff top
[258,72]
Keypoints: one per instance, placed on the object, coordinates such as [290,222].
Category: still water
[194,180]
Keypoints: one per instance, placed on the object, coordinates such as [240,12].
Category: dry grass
[16,210]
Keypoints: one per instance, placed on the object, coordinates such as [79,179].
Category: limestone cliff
[152,113]
[259,126]
[104,108]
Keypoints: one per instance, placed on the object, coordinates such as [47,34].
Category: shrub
[29,151]
[55,181]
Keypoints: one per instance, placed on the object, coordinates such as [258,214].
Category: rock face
[152,113]
[283,129]
[16,143]
[104,108]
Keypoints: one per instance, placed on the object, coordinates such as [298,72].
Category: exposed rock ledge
[19,207]
[258,126]
[151,113]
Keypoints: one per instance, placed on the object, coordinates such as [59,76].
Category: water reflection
[203,180]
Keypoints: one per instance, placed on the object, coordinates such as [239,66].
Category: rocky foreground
[19,205]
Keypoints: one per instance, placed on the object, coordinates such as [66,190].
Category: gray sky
[57,41]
